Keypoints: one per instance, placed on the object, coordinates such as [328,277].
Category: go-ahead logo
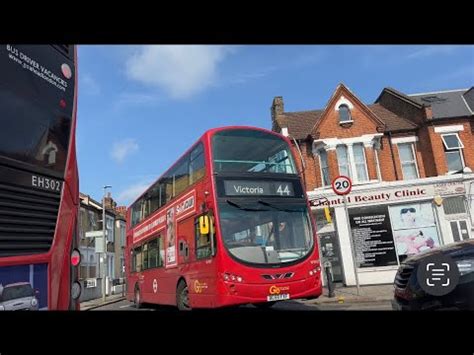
[275,290]
[199,286]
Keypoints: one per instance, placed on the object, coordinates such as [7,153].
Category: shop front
[387,222]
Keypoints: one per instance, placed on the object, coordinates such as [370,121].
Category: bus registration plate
[283,296]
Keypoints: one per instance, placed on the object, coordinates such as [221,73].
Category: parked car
[18,296]
[409,295]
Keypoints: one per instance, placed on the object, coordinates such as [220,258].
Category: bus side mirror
[204,225]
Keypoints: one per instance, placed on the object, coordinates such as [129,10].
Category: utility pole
[105,245]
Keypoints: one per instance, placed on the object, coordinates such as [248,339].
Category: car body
[409,295]
[18,296]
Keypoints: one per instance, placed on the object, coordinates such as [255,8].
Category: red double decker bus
[228,224]
[39,192]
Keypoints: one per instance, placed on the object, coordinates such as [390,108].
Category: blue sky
[141,107]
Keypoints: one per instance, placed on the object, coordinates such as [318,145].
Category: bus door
[185,243]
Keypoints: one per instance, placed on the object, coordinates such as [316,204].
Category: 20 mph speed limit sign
[342,185]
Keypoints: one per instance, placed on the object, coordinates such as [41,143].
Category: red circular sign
[342,185]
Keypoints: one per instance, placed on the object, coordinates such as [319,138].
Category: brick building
[410,158]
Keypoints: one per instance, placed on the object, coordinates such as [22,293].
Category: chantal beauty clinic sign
[389,195]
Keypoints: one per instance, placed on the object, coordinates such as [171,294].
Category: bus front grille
[403,275]
[27,220]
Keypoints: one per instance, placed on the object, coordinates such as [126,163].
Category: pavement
[370,297]
[96,303]
[367,294]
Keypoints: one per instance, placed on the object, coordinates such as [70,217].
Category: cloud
[428,51]
[246,77]
[89,85]
[122,149]
[128,195]
[180,70]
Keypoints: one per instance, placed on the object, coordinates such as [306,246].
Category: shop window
[414,228]
[454,205]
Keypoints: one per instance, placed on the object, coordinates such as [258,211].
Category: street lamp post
[104,245]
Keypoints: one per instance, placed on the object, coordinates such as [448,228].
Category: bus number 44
[285,191]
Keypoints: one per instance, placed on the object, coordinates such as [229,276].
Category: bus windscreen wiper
[274,207]
[243,208]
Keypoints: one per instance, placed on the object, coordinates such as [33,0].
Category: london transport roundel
[342,185]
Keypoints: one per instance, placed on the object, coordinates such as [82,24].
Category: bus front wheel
[182,297]
[137,300]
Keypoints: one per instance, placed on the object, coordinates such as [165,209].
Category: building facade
[91,269]
[410,159]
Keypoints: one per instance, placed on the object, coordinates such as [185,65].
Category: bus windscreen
[36,101]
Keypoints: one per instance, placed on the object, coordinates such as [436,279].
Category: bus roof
[204,137]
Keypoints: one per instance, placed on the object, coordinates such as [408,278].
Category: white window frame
[353,164]
[109,227]
[412,144]
[458,225]
[458,149]
[339,113]
[452,134]
[349,163]
[321,167]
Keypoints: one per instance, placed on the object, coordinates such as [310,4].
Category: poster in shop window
[372,236]
[414,228]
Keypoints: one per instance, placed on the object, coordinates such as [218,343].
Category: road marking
[125,306]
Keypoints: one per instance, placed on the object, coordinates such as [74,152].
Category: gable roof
[301,123]
[341,88]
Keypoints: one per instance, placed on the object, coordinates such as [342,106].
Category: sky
[141,107]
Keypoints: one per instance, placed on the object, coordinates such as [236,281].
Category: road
[282,306]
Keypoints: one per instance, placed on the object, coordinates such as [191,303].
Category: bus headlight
[232,277]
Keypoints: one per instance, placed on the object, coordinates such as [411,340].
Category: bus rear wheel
[137,300]
[182,297]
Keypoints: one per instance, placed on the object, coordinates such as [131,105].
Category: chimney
[121,211]
[428,112]
[109,202]
[276,110]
